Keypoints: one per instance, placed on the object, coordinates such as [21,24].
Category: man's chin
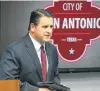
[47,40]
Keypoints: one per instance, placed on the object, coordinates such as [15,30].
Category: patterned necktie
[43,63]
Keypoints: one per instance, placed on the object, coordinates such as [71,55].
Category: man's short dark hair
[35,16]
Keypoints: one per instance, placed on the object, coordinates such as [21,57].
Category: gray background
[14,20]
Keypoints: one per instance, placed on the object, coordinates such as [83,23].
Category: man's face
[43,31]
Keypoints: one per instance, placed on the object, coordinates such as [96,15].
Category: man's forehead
[46,20]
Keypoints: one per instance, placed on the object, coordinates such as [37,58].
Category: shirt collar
[36,44]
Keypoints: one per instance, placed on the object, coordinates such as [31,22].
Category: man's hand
[44,89]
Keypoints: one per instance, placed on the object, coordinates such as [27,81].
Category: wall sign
[76,25]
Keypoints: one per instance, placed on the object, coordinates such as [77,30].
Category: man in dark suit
[22,59]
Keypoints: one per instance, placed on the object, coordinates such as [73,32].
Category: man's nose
[49,30]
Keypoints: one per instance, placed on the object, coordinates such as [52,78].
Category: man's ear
[32,27]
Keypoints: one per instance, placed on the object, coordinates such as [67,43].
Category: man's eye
[45,26]
[51,26]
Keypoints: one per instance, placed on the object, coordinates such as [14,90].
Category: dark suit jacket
[20,61]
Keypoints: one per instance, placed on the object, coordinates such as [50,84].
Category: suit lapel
[32,52]
[48,51]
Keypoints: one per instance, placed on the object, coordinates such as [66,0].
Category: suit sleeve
[56,74]
[10,69]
